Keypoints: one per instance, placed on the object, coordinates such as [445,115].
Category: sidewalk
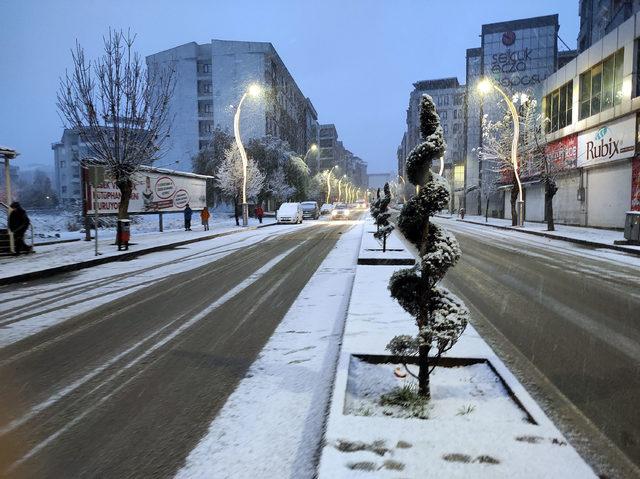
[62,257]
[480,422]
[598,238]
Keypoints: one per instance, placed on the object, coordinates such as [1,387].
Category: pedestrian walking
[461,213]
[204,216]
[187,217]
[18,224]
[259,213]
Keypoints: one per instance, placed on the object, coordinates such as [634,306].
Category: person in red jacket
[259,213]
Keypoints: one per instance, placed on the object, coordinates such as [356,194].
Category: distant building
[210,80]
[600,17]
[67,154]
[377,180]
[333,153]
[448,96]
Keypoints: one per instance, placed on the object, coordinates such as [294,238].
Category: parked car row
[296,212]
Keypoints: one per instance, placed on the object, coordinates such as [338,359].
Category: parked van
[289,213]
[310,210]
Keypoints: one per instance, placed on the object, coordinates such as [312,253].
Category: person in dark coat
[187,217]
[18,224]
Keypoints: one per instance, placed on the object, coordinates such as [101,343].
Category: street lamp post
[485,86]
[253,90]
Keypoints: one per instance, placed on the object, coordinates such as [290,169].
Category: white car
[326,209]
[289,213]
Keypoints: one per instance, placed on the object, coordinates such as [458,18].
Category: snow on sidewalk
[62,254]
[473,430]
[594,235]
[271,425]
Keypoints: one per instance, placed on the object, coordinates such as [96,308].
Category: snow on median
[271,425]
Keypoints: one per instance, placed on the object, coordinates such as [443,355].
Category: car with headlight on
[340,212]
[310,210]
[289,213]
[326,209]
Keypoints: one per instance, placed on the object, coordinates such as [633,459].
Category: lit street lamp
[254,90]
[484,87]
[313,148]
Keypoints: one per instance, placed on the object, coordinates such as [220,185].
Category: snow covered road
[119,370]
[571,310]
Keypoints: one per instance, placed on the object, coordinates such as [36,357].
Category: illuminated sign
[610,142]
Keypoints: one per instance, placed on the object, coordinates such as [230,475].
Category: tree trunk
[424,300]
[514,210]
[235,210]
[423,372]
[550,190]
[486,210]
[125,187]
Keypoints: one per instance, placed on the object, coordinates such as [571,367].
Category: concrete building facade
[333,153]
[449,98]
[591,106]
[210,81]
[67,154]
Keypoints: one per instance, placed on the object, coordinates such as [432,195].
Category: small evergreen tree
[382,218]
[440,316]
[375,208]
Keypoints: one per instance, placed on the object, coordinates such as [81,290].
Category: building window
[443,115]
[456,127]
[558,108]
[445,128]
[601,86]
[63,163]
[458,174]
[204,67]
[63,189]
[205,87]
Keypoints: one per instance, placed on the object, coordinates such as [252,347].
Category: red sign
[635,184]
[563,154]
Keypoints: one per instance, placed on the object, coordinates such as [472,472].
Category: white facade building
[592,105]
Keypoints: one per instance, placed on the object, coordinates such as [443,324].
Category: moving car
[326,209]
[289,213]
[361,204]
[310,210]
[340,212]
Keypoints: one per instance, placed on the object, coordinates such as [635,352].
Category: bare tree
[119,108]
[229,177]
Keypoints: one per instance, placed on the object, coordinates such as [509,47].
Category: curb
[557,237]
[126,256]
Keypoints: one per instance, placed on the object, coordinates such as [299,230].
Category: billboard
[563,154]
[610,142]
[154,191]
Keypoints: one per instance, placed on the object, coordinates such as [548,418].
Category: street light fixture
[484,87]
[254,90]
[312,148]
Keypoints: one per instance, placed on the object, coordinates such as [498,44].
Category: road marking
[216,304]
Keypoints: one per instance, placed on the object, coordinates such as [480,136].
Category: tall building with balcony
[210,81]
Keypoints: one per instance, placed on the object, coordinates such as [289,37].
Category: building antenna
[566,46]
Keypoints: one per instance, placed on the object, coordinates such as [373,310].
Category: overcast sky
[356,60]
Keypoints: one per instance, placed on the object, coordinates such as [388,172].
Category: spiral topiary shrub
[440,316]
[384,228]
